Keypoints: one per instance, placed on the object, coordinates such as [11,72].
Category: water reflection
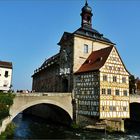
[31,127]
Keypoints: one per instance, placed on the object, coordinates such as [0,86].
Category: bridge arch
[134,111]
[23,101]
[30,104]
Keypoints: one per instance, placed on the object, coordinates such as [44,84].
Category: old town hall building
[89,65]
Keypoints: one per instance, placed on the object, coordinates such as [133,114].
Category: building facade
[102,86]
[5,75]
[89,65]
[56,73]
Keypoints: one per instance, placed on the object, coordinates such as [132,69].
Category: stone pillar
[122,126]
[74,104]
[115,125]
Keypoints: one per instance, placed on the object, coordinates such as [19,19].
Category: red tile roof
[4,64]
[96,60]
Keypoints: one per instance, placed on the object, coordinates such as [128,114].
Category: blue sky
[31,29]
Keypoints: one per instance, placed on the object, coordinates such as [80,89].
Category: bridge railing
[43,94]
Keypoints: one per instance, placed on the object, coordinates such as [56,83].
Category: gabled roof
[5,64]
[92,33]
[96,60]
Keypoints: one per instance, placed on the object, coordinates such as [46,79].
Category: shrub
[6,100]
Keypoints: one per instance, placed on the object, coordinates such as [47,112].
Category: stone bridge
[134,98]
[24,101]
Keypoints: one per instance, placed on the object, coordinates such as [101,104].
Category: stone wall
[78,52]
[115,125]
[96,123]
[84,121]
[47,80]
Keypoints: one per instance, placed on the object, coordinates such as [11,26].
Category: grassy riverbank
[8,133]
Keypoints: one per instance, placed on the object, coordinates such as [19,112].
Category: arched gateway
[24,101]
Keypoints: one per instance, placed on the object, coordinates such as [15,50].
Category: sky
[31,29]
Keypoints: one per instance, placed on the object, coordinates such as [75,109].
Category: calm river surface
[30,127]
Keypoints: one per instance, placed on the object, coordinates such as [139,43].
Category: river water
[31,127]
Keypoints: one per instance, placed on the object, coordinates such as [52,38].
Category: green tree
[132,85]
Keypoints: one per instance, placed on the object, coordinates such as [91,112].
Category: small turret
[86,16]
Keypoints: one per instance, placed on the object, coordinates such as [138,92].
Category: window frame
[123,79]
[117,92]
[103,91]
[114,78]
[105,78]
[125,93]
[124,108]
[109,91]
[86,48]
[6,74]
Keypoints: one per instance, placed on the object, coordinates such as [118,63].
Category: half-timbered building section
[87,92]
[87,83]
[114,88]
[110,88]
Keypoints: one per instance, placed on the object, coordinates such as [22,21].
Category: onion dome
[86,8]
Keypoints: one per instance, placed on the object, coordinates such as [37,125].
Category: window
[109,91]
[103,91]
[5,85]
[103,108]
[114,79]
[104,77]
[123,79]
[95,91]
[112,108]
[117,92]
[110,68]
[85,48]
[88,19]
[6,74]
[95,77]
[124,108]
[125,92]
